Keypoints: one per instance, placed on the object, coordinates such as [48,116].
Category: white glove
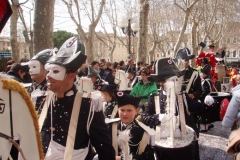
[208,100]
[162,118]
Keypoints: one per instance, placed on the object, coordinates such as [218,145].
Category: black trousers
[190,152]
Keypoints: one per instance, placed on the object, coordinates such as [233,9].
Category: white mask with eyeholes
[55,71]
[34,67]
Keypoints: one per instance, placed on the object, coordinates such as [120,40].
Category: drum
[214,114]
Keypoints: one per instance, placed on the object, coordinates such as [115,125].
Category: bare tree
[43,25]
[143,32]
[90,10]
[13,32]
[187,10]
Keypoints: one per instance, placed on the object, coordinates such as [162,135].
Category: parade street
[213,144]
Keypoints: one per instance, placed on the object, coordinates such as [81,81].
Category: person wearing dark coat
[107,75]
[128,134]
[17,72]
[67,105]
[38,75]
[166,69]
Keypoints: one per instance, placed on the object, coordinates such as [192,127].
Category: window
[234,53]
[235,40]
[157,55]
[228,53]
[169,53]
[228,40]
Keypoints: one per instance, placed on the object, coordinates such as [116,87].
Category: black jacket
[135,133]
[150,118]
[14,75]
[196,88]
[107,76]
[98,133]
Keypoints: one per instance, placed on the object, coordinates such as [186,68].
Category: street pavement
[213,144]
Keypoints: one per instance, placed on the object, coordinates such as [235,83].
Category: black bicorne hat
[106,87]
[43,56]
[203,45]
[71,55]
[184,54]
[165,68]
[124,99]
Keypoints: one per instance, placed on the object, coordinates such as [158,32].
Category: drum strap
[157,109]
[73,126]
[194,74]
[114,112]
[45,109]
[143,143]
[114,137]
[182,117]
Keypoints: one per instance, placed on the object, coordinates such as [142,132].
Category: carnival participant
[110,108]
[130,135]
[210,56]
[38,75]
[191,76]
[144,88]
[156,112]
[206,90]
[94,68]
[60,138]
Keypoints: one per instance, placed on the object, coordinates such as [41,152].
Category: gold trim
[16,86]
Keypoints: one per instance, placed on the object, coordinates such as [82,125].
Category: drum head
[223,107]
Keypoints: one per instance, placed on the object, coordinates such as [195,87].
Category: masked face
[34,67]
[55,71]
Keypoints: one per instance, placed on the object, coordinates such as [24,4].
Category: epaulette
[96,100]
[149,130]
[107,120]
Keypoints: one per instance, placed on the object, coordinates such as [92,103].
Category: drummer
[130,135]
[167,71]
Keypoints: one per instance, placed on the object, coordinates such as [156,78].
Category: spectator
[122,65]
[144,88]
[107,75]
[9,65]
[17,72]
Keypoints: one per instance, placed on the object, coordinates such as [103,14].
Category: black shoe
[210,126]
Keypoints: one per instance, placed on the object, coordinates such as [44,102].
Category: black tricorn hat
[124,99]
[106,87]
[71,55]
[43,56]
[184,54]
[203,45]
[165,68]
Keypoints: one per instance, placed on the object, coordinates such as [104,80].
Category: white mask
[56,71]
[34,67]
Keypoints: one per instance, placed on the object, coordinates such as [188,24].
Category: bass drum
[214,114]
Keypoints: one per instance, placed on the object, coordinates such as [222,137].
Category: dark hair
[102,60]
[23,60]
[17,67]
[121,63]
[94,62]
[139,63]
[108,64]
[115,64]
[145,70]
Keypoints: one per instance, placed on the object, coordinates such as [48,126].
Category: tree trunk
[89,43]
[43,25]
[151,52]
[143,32]
[194,42]
[13,32]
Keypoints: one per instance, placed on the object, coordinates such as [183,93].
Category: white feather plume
[123,139]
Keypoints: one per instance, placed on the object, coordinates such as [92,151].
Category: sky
[62,20]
